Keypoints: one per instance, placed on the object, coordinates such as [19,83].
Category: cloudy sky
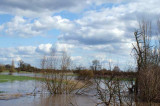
[86,29]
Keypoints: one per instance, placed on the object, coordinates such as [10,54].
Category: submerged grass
[7,78]
[2,92]
[11,78]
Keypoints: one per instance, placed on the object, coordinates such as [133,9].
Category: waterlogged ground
[21,90]
[32,93]
[25,88]
[57,100]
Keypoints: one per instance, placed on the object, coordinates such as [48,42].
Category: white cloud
[20,27]
[44,48]
[103,30]
[76,58]
[64,46]
[1,27]
[110,29]
[26,27]
[26,50]
[29,54]
[34,8]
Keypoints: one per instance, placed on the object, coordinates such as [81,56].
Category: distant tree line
[95,70]
[22,66]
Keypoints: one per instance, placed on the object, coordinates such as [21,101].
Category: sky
[86,29]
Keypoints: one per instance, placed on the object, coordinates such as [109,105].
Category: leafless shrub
[114,91]
[12,69]
[2,68]
[149,85]
[85,74]
[110,91]
[57,82]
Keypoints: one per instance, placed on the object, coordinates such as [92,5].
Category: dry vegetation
[147,87]
[59,82]
[147,55]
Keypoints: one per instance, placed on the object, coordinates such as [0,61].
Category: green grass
[72,74]
[2,92]
[7,78]
[7,71]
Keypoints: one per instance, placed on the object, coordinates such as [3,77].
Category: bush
[86,74]
[149,84]
[11,70]
[2,68]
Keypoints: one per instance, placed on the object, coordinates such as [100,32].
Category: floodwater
[33,93]
[39,99]
[34,75]
[24,74]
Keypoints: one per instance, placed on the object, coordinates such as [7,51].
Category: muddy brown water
[26,87]
[56,100]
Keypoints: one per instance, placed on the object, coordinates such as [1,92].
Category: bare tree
[55,68]
[148,60]
[12,69]
[142,46]
[112,91]
[43,62]
[2,68]
[65,61]
[96,65]
[116,68]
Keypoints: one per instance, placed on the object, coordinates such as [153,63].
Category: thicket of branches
[58,82]
[147,54]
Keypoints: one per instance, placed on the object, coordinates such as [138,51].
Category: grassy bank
[25,72]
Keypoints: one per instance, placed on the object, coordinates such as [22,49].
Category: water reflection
[40,99]
[19,86]
[66,100]
[89,98]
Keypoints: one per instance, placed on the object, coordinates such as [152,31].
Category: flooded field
[33,93]
[28,98]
